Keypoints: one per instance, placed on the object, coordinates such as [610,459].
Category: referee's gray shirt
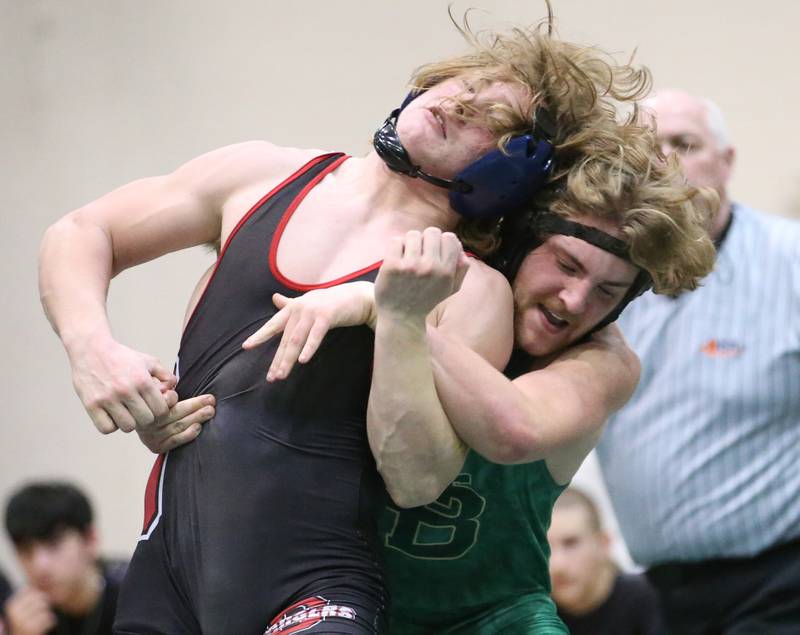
[704,461]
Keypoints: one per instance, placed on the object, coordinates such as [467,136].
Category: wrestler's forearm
[416,450]
[487,410]
[75,267]
[559,408]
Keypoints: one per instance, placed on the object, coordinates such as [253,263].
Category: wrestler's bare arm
[415,446]
[555,413]
[137,222]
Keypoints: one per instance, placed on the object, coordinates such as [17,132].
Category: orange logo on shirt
[721,348]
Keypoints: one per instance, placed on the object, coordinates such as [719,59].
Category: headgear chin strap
[498,183]
[389,148]
[522,235]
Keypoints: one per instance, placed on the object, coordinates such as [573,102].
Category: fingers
[177,440]
[101,420]
[412,246]
[432,245]
[28,611]
[314,339]
[150,401]
[279,300]
[442,252]
[144,402]
[141,401]
[276,324]
[461,271]
[394,250]
[120,415]
[163,386]
[428,271]
[293,340]
[130,411]
[181,413]
[186,421]
[121,388]
[171,397]
[451,250]
[159,372]
[182,424]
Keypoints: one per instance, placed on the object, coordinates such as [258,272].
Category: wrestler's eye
[608,293]
[470,91]
[566,268]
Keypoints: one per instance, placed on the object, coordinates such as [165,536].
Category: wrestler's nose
[575,296]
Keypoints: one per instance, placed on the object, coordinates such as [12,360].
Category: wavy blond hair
[580,88]
[622,176]
[606,164]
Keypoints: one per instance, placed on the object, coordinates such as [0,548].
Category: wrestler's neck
[412,201]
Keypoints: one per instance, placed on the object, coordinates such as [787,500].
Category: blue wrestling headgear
[494,185]
[522,234]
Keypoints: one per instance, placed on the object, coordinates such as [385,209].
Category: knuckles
[295,339]
[146,419]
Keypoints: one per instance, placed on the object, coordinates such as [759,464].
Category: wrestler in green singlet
[448,564]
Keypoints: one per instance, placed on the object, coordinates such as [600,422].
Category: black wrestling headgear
[523,233]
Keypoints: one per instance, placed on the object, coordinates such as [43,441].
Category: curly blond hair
[606,163]
[581,89]
[622,176]
[575,84]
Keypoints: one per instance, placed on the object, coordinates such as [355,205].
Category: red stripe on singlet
[305,168]
[151,494]
[273,251]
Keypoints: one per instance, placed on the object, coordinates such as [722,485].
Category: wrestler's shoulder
[481,276]
[262,150]
[611,339]
[255,159]
[484,301]
[621,360]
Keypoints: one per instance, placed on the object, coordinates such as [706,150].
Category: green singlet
[475,561]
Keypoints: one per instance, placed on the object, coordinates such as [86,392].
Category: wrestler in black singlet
[264,523]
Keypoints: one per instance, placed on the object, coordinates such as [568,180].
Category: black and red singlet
[267,519]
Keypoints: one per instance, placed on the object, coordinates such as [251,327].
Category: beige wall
[99,93]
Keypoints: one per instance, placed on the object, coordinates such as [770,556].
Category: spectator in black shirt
[67,590]
[592,596]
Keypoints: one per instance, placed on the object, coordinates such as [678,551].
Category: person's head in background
[51,526]
[693,129]
[581,569]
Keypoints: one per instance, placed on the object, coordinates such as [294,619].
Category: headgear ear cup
[504,182]
[496,184]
